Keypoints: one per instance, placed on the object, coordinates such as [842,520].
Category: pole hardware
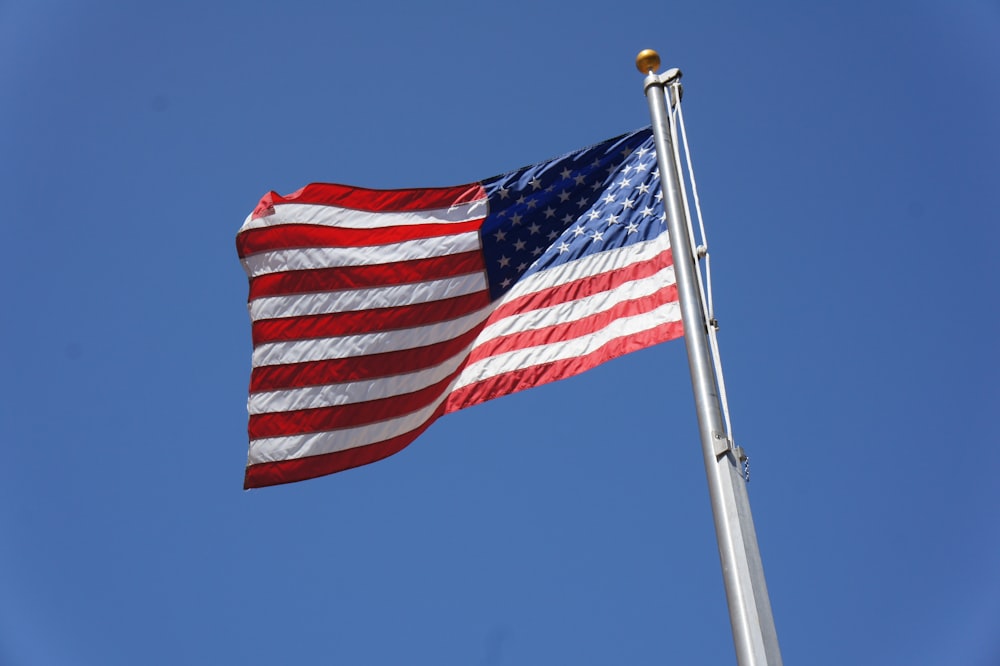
[744,461]
[665,79]
[723,444]
[677,88]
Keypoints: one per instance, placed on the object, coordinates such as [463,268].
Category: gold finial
[648,61]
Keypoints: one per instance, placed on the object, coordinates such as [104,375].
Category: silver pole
[754,635]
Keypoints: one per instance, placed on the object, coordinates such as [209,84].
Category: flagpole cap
[648,61]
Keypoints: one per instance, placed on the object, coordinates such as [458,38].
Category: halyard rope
[704,285]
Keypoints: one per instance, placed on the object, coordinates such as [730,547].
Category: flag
[374,312]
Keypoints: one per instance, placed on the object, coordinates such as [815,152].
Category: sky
[847,157]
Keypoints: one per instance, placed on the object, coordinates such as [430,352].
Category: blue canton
[596,199]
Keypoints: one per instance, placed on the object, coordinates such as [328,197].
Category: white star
[644,188]
[628,167]
[594,214]
[519,245]
[550,188]
[612,219]
[563,247]
[598,236]
[535,184]
[505,283]
[597,185]
[609,199]
[520,199]
[567,219]
[500,235]
[565,173]
[515,218]
[564,196]
[534,228]
[640,168]
[521,267]
[659,196]
[642,152]
[504,261]
[550,212]
[628,204]
[647,211]
[656,174]
[579,231]
[632,227]
[663,218]
[537,251]
[503,192]
[582,203]
[579,179]
[532,203]
[596,163]
[625,182]
[553,234]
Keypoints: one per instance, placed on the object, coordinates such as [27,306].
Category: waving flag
[375,312]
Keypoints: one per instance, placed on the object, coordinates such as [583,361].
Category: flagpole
[754,635]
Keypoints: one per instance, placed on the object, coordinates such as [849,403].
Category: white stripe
[346,346]
[520,359]
[346,393]
[588,266]
[581,308]
[301,259]
[270,449]
[300,305]
[347,218]
[289,447]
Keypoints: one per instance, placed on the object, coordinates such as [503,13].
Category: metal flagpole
[754,635]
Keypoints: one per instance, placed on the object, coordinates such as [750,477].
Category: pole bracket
[721,445]
[664,79]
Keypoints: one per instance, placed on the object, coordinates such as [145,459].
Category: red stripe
[566,331]
[297,422]
[518,380]
[361,277]
[366,321]
[304,235]
[584,286]
[359,198]
[337,371]
[329,418]
[299,469]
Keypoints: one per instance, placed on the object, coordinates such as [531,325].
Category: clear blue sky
[848,157]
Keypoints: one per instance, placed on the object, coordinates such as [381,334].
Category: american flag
[374,312]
